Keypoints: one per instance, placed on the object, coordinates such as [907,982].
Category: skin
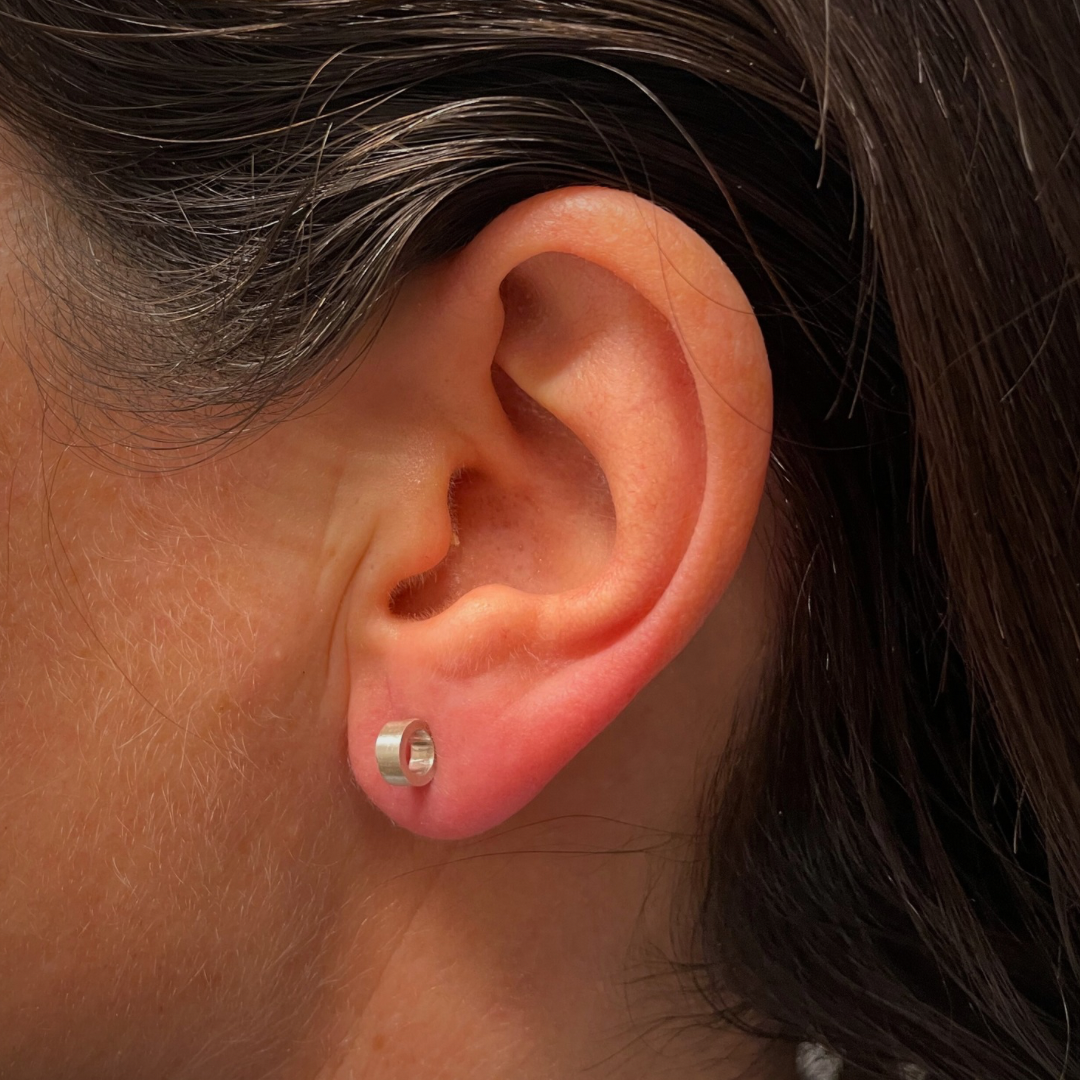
[200,875]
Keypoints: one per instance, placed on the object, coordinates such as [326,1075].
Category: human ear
[581,409]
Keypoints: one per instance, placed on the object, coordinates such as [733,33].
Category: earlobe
[595,403]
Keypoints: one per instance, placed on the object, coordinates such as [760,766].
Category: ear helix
[405,753]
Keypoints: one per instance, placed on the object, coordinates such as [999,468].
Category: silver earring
[405,752]
[814,1062]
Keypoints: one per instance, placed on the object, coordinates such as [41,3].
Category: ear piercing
[814,1062]
[405,752]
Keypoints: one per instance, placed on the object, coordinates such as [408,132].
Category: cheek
[160,788]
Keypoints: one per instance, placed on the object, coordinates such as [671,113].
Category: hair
[894,857]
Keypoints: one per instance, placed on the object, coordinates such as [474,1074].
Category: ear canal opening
[549,531]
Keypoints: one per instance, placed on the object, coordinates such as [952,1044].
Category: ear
[581,408]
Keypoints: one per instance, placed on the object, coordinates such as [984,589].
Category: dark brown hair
[894,867]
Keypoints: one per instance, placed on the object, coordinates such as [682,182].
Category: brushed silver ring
[405,752]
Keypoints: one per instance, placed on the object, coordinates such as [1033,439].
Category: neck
[521,957]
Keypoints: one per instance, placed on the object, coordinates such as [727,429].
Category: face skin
[199,874]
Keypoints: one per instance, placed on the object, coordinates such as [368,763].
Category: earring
[405,752]
[814,1062]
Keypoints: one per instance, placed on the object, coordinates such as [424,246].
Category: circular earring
[814,1062]
[405,752]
